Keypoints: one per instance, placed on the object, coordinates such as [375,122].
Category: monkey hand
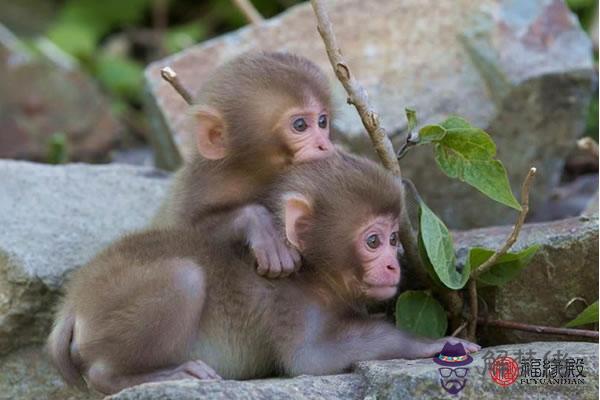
[274,257]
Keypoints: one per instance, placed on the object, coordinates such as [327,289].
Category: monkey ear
[297,210]
[210,133]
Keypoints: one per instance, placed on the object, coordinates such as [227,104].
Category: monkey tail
[59,348]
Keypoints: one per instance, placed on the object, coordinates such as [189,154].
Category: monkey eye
[300,125]
[394,240]
[373,241]
[323,121]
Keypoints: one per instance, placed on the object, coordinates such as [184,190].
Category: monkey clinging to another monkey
[256,116]
[172,304]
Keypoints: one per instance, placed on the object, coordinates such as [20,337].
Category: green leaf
[587,316]
[82,23]
[183,36]
[455,122]
[58,152]
[506,268]
[437,242]
[76,39]
[468,154]
[120,75]
[431,134]
[419,313]
[411,116]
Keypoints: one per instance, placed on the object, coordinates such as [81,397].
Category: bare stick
[512,238]
[538,328]
[170,76]
[459,329]
[249,11]
[472,331]
[357,95]
[588,144]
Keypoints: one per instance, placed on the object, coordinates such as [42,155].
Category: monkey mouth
[380,291]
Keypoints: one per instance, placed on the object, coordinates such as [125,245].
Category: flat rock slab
[522,70]
[53,219]
[564,268]
[394,379]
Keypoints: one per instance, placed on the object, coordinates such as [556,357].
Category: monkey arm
[362,340]
[253,225]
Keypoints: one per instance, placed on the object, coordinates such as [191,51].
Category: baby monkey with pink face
[174,304]
[256,116]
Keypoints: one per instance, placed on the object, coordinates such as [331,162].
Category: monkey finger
[262,263]
[274,264]
[199,370]
[287,262]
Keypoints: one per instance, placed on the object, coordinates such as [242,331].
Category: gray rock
[45,98]
[565,267]
[521,70]
[27,374]
[394,379]
[54,219]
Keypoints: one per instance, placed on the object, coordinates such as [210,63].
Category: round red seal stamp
[504,371]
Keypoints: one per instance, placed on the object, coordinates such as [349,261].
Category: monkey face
[306,131]
[377,247]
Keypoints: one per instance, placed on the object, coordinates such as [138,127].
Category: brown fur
[251,93]
[152,302]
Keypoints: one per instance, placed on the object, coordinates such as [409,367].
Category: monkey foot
[195,370]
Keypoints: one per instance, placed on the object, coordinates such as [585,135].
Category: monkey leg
[142,329]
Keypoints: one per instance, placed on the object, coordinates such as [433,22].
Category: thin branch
[588,144]
[472,331]
[512,238]
[539,329]
[357,95]
[170,76]
[249,11]
[459,329]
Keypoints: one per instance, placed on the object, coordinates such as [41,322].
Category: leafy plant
[466,153]
[587,316]
[420,313]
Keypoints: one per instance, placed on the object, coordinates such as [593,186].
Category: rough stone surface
[53,219]
[44,96]
[27,374]
[565,267]
[520,70]
[395,379]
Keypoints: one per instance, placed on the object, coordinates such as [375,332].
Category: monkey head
[264,110]
[342,214]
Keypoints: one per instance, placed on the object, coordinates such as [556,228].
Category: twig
[358,97]
[539,329]
[512,238]
[459,329]
[588,144]
[357,94]
[249,11]
[170,76]
[472,330]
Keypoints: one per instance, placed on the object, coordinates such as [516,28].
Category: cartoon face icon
[453,374]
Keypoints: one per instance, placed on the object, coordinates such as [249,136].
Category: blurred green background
[113,40]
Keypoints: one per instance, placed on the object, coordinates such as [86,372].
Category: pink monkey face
[377,247]
[307,132]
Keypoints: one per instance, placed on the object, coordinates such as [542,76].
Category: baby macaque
[256,116]
[172,304]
